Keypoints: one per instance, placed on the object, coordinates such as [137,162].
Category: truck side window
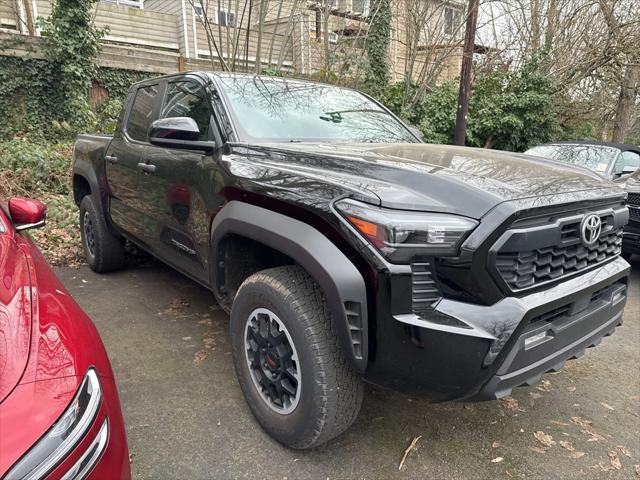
[141,115]
[188,99]
[626,159]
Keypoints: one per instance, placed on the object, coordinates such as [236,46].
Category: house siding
[7,14]
[173,7]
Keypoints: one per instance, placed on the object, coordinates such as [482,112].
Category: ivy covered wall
[30,103]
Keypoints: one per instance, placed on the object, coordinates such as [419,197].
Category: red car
[60,416]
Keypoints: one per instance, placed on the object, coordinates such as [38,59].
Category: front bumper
[462,351]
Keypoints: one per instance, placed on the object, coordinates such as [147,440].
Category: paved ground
[186,417]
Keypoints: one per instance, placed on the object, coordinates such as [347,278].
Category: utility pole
[465,73]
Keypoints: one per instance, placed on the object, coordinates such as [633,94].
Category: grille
[526,269]
[633,199]
[634,213]
[544,249]
[424,290]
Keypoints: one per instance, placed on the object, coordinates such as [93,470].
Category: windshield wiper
[336,117]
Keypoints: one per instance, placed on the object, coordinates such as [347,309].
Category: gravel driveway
[186,417]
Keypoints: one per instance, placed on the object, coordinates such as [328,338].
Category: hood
[467,181]
[15,314]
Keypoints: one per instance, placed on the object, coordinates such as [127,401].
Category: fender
[342,284]
[88,162]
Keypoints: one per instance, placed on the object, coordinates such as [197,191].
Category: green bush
[508,110]
[28,168]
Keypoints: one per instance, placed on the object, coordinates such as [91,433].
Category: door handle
[147,167]
[111,159]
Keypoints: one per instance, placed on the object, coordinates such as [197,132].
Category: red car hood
[15,314]
[48,343]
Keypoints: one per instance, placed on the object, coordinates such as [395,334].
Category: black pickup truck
[346,249]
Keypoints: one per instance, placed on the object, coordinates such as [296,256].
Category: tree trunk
[625,109]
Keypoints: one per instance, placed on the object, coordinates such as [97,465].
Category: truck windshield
[282,110]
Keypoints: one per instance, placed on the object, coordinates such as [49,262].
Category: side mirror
[417,132]
[626,170]
[178,132]
[26,213]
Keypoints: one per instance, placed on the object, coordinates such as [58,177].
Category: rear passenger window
[141,115]
[188,99]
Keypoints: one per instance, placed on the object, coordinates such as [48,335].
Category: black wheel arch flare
[343,285]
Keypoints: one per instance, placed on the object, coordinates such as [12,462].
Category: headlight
[399,234]
[64,435]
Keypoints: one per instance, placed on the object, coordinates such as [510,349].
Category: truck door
[129,208]
[182,184]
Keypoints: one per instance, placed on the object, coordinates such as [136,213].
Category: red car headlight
[64,435]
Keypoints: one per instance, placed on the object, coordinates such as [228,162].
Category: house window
[226,18]
[452,19]
[128,3]
[360,7]
[223,17]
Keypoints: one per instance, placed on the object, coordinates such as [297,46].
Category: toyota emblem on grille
[590,229]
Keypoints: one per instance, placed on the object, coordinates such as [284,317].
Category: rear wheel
[103,250]
[290,367]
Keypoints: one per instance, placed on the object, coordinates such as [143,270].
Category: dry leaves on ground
[544,439]
[510,403]
[573,453]
[586,426]
[615,460]
[545,386]
[537,449]
[199,357]
[624,451]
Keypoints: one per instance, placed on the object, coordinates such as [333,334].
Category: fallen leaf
[510,403]
[606,405]
[573,452]
[186,338]
[535,395]
[544,439]
[586,427]
[571,389]
[199,357]
[635,397]
[496,444]
[545,386]
[556,422]
[411,446]
[567,445]
[637,468]
[615,460]
[537,449]
[497,460]
[624,451]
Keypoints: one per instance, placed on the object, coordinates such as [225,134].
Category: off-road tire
[108,249]
[331,391]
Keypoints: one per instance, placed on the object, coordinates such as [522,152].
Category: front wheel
[290,367]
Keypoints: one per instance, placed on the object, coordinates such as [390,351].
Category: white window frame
[455,13]
[214,15]
[365,10]
[226,12]
[129,3]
